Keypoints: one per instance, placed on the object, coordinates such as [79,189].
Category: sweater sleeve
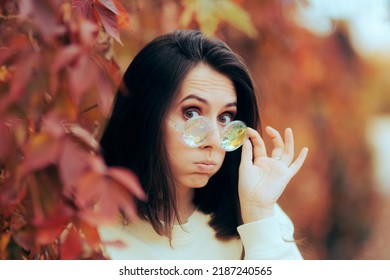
[271,238]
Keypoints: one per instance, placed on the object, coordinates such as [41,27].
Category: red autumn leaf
[65,57]
[92,191]
[52,124]
[82,135]
[44,15]
[109,21]
[20,79]
[102,197]
[18,128]
[109,4]
[56,213]
[41,150]
[90,233]
[11,194]
[7,53]
[112,69]
[82,75]
[46,235]
[88,31]
[71,248]
[5,141]
[97,165]
[24,236]
[49,214]
[106,93]
[85,6]
[72,164]
[127,179]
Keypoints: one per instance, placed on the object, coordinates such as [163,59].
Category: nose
[214,138]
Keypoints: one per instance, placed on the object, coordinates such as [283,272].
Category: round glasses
[197,129]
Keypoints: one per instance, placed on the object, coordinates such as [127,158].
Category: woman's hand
[262,179]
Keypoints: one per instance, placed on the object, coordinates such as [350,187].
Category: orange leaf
[4,240]
[90,233]
[5,75]
[122,16]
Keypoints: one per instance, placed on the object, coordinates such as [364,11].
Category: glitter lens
[196,131]
[233,135]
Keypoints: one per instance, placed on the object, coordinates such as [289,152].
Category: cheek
[173,139]
[175,146]
[221,158]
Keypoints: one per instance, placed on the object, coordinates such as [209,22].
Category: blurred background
[321,67]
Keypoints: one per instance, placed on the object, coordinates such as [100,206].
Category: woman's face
[204,92]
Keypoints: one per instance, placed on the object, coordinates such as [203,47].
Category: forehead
[204,81]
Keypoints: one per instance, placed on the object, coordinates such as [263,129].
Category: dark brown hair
[134,136]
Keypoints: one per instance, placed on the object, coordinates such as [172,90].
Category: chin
[199,181]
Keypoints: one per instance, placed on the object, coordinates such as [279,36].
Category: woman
[174,125]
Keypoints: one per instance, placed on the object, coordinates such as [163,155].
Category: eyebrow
[204,101]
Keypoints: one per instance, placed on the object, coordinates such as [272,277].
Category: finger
[288,153]
[277,141]
[259,149]
[246,153]
[297,164]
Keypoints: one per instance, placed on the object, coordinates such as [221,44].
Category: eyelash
[190,109]
[198,112]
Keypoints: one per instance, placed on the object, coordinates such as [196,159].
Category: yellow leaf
[235,15]
[4,74]
[209,14]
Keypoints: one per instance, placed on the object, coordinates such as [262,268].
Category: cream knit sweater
[271,238]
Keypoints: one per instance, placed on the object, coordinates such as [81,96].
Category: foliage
[209,14]
[56,66]
[58,76]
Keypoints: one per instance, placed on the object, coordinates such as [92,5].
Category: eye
[226,118]
[190,113]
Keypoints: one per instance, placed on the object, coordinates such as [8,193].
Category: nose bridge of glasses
[212,127]
[200,130]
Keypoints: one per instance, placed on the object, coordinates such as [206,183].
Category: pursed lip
[205,166]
